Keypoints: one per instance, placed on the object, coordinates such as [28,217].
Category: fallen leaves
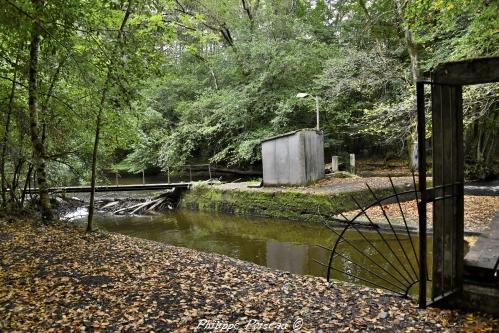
[478,212]
[59,279]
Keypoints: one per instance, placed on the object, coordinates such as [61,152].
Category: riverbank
[58,278]
[311,203]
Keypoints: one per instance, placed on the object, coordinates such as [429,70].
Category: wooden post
[168,174]
[209,170]
[143,178]
[190,174]
[352,163]
[117,183]
[334,163]
[448,225]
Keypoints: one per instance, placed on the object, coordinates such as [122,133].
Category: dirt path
[58,279]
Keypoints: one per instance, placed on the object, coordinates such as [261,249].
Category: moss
[292,205]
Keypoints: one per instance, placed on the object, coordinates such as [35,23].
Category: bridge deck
[115,188]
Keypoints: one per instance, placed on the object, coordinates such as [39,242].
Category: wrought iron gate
[392,266]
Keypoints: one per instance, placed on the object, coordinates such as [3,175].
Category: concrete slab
[485,253]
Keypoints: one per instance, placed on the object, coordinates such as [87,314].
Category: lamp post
[303,95]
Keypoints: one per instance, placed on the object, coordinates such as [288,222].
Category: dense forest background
[88,86]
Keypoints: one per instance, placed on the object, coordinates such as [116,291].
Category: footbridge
[115,188]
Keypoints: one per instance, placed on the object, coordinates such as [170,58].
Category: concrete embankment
[282,203]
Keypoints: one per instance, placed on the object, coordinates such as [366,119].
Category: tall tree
[102,105]
[39,155]
[412,46]
[6,133]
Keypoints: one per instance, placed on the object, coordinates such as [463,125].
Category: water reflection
[286,256]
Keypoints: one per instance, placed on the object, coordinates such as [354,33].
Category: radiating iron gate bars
[387,255]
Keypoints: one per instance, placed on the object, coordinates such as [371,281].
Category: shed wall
[293,159]
[314,155]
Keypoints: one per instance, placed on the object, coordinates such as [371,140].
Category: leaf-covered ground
[59,279]
[478,212]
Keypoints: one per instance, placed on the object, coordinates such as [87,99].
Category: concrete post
[143,178]
[352,163]
[414,156]
[334,163]
[168,174]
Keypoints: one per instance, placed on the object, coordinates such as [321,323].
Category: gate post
[422,188]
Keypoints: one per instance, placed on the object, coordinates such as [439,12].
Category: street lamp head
[302,95]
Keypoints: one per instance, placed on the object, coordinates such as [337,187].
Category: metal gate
[392,267]
[447,191]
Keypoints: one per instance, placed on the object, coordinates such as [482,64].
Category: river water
[283,245]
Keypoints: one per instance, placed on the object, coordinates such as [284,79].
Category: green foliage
[218,106]
[205,81]
[220,97]
[481,124]
[454,29]
[76,47]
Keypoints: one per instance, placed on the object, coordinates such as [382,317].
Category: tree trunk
[15,182]
[215,80]
[5,138]
[38,147]
[362,5]
[94,159]
[412,47]
[98,121]
[26,184]
[489,155]
[247,9]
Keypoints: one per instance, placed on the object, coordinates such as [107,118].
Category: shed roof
[290,133]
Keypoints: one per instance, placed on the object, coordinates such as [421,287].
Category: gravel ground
[59,279]
[328,185]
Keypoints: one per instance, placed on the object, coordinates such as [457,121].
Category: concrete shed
[293,158]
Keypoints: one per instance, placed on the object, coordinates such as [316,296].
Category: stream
[283,245]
